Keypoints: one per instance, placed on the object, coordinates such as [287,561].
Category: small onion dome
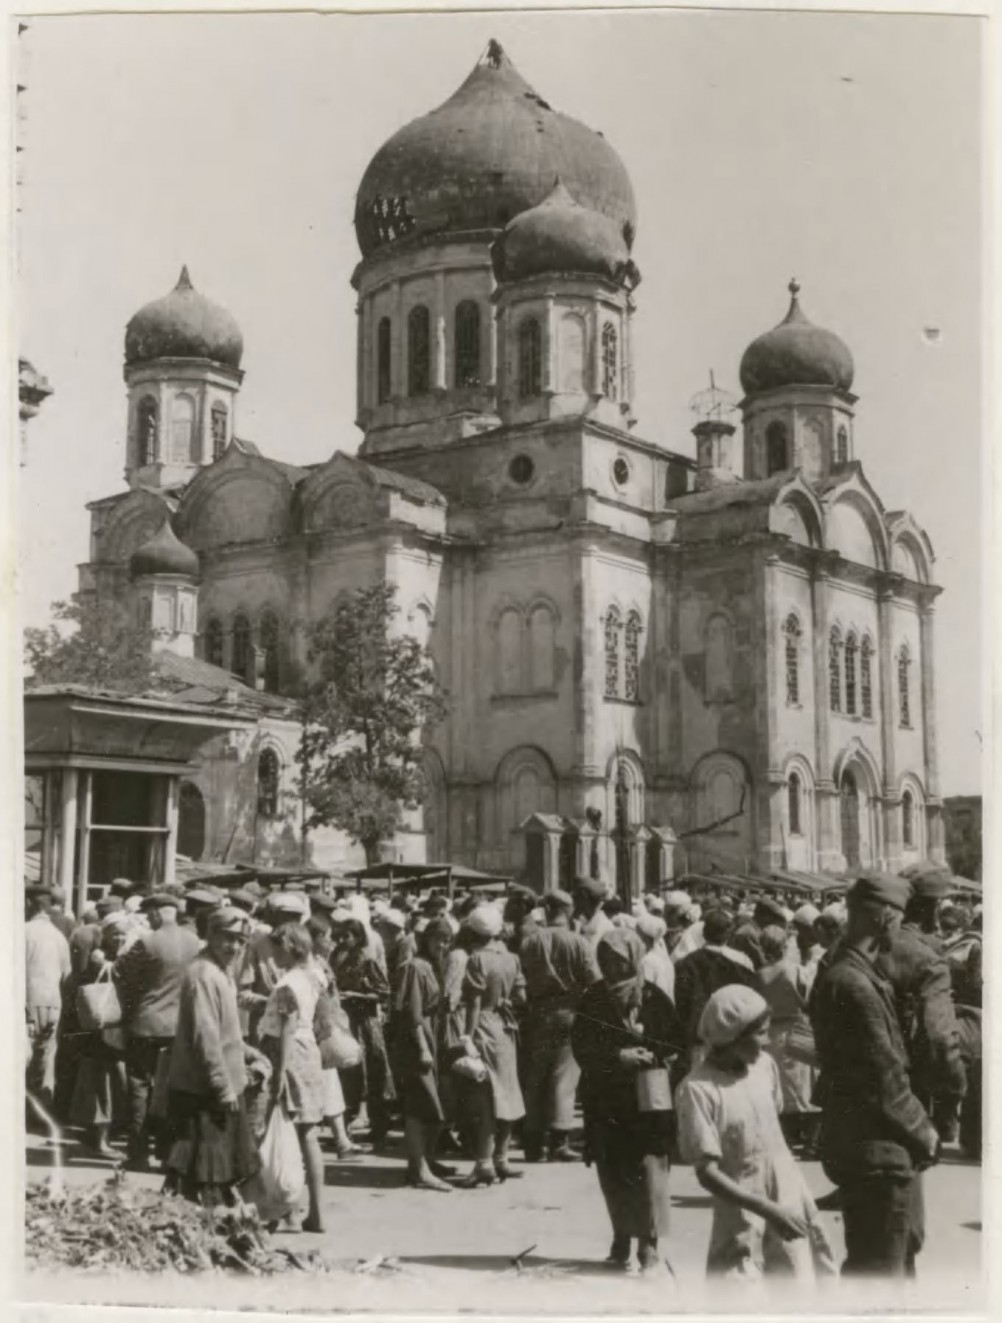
[183,324]
[164,554]
[562,236]
[488,153]
[796,353]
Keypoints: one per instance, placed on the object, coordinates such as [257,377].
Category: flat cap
[158,900]
[559,899]
[880,889]
[108,905]
[121,886]
[928,882]
[591,886]
[37,892]
[243,897]
[766,905]
[204,896]
[320,901]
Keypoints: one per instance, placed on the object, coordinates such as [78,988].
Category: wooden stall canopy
[416,877]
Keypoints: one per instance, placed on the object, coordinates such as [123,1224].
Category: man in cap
[518,921]
[747,937]
[805,935]
[149,977]
[258,969]
[199,902]
[920,977]
[558,965]
[930,884]
[876,1137]
[715,964]
[676,909]
[593,922]
[46,966]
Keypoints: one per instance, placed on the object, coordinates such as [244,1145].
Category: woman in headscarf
[764,1219]
[657,965]
[99,1096]
[786,986]
[625,1032]
[364,991]
[493,992]
[419,1009]
[213,1150]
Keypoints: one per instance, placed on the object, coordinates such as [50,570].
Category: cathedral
[654,664]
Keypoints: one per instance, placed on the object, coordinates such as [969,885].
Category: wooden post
[83,875]
[68,834]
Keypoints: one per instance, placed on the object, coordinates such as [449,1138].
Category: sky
[841,149]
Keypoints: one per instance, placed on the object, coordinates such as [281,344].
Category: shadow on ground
[503,1263]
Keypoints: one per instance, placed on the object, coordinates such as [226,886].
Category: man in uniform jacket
[876,1137]
[559,966]
[920,976]
[149,978]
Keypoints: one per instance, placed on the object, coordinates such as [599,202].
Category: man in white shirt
[593,922]
[47,964]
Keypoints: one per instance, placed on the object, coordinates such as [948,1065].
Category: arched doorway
[849,811]
[191,822]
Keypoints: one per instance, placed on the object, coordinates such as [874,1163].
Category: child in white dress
[764,1219]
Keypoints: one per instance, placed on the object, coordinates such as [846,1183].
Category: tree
[372,694]
[106,650]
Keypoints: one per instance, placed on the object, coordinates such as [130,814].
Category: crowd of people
[731,1033]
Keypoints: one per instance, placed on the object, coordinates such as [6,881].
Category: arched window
[240,652]
[866,678]
[571,356]
[610,362]
[908,819]
[613,631]
[717,654]
[793,797]
[541,643]
[269,634]
[218,430]
[835,671]
[384,360]
[851,649]
[791,633]
[776,452]
[147,428]
[509,656]
[530,358]
[467,348]
[213,645]
[904,698]
[184,443]
[268,773]
[842,446]
[631,658]
[418,351]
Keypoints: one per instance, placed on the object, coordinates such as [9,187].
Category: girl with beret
[764,1219]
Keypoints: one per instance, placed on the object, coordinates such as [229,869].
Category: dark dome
[561,235]
[490,152]
[796,353]
[164,554]
[183,324]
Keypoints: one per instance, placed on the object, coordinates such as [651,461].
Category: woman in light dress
[288,1041]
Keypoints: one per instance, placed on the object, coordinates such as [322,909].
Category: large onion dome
[796,353]
[164,553]
[490,152]
[562,236]
[183,324]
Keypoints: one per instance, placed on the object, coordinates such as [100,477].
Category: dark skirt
[212,1148]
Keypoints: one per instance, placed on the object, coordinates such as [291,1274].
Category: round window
[521,469]
[620,471]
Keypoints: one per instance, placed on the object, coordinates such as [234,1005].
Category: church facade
[652,663]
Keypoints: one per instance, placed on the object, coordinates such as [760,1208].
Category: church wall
[855,609]
[909,742]
[793,731]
